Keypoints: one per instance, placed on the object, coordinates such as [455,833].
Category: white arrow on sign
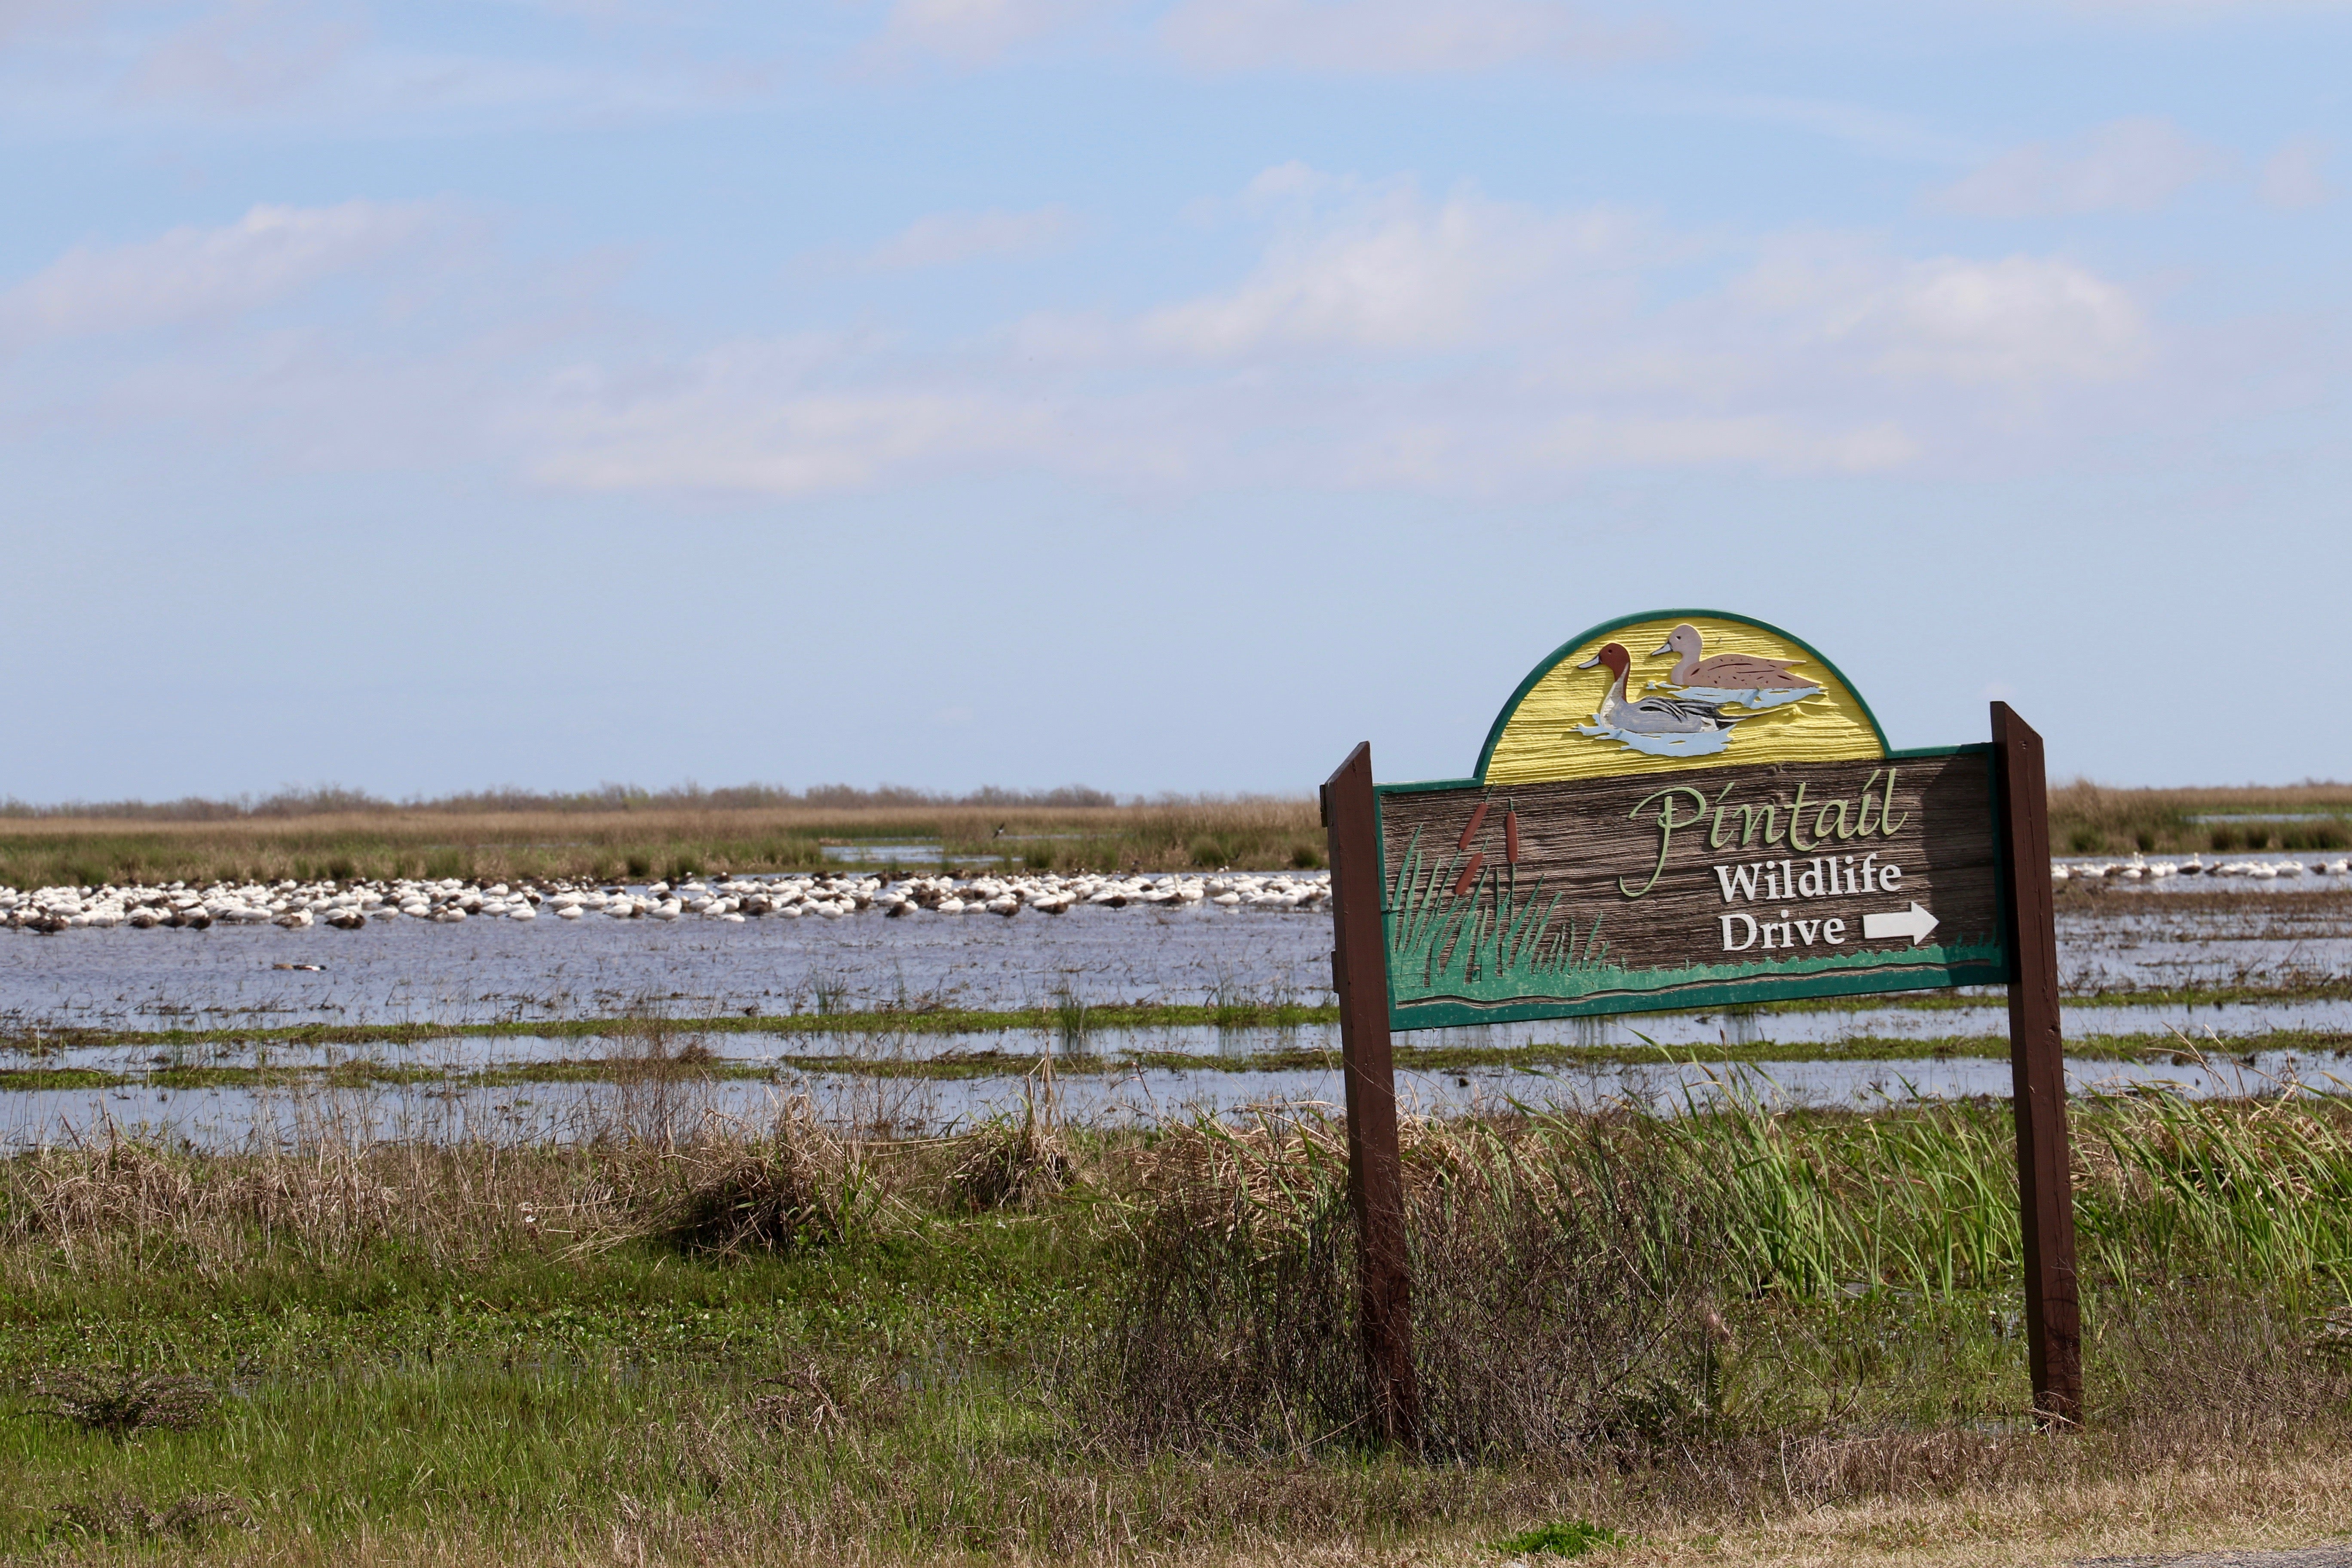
[1914,922]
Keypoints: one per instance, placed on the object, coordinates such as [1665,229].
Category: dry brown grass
[507,846]
[699,1180]
[668,840]
[2090,818]
[2221,1498]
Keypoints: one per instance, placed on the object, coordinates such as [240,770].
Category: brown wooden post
[2054,1318]
[1359,973]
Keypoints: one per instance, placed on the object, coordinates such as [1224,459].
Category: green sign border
[1448,1014]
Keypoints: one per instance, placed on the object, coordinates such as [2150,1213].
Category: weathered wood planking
[1559,857]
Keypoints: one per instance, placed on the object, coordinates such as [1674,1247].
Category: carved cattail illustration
[1469,872]
[1477,820]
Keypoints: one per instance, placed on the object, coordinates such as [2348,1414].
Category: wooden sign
[1687,810]
[1691,809]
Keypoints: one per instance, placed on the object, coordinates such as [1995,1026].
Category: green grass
[509,1351]
[1074,1047]
[2322,1047]
[1569,1538]
[1231,1012]
[394,1392]
[1228,1011]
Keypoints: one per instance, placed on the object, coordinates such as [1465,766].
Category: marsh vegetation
[626,834]
[623,836]
[827,1334]
[2087,818]
[696,1340]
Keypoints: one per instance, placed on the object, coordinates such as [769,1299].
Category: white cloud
[976,32]
[2127,165]
[192,274]
[1495,450]
[1384,36]
[1376,337]
[2022,320]
[780,419]
[2296,174]
[1397,274]
[1386,339]
[944,239]
[1382,337]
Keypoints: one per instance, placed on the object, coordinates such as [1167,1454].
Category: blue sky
[1160,396]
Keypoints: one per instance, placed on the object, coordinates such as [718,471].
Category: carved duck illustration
[1650,715]
[1728,671]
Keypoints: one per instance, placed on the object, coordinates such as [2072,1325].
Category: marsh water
[225,1117]
[2247,938]
[488,971]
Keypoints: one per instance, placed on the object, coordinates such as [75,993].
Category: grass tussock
[800,1186]
[598,842]
[1625,1285]
[700,1342]
[121,1402]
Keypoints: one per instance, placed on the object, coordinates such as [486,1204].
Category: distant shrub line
[334,800]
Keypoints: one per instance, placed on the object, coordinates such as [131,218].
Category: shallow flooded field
[488,971]
[2125,937]
[2228,987]
[533,1111]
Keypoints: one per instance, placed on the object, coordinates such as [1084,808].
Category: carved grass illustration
[1461,932]
[1458,922]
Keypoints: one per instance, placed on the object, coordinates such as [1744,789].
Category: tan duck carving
[1728,671]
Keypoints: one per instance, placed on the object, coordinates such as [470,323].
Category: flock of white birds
[2140,868]
[348,906]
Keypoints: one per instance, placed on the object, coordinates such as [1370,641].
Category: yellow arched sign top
[1676,690]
